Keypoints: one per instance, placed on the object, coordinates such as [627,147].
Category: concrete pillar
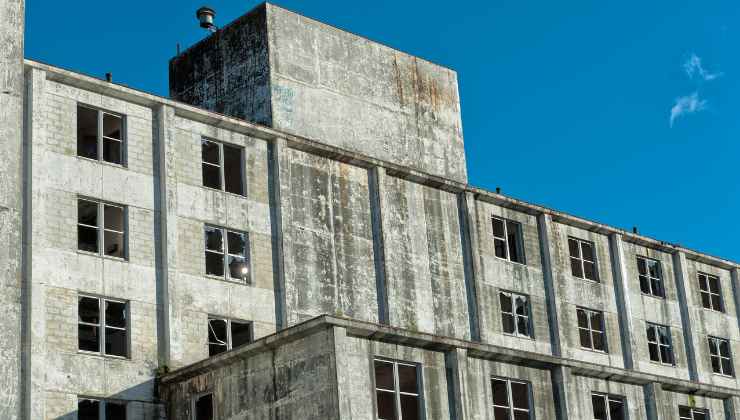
[624,305]
[544,225]
[732,408]
[276,160]
[471,258]
[11,206]
[456,362]
[653,401]
[685,301]
[562,383]
[735,281]
[376,177]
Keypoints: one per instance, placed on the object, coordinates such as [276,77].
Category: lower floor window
[92,409]
[688,413]
[719,352]
[226,334]
[511,399]
[608,407]
[397,390]
[203,407]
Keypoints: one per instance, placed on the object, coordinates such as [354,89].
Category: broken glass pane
[238,269]
[214,239]
[237,243]
[217,336]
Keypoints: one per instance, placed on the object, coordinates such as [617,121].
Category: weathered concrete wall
[295,381]
[424,263]
[580,389]
[670,401]
[11,204]
[328,241]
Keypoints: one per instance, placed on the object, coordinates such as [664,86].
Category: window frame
[692,412]
[607,399]
[229,335]
[101,136]
[650,278]
[582,261]
[519,240]
[103,403]
[102,326]
[249,281]
[101,229]
[530,325]
[222,167]
[719,356]
[591,330]
[194,401]
[397,388]
[510,408]
[659,344]
[709,292]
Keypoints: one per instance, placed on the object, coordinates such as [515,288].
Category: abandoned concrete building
[292,235]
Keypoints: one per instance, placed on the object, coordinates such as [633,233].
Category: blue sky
[565,104]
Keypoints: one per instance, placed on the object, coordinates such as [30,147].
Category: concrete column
[653,401]
[735,280]
[732,408]
[456,362]
[624,305]
[276,160]
[544,225]
[11,206]
[562,381]
[471,258]
[376,177]
[343,365]
[685,301]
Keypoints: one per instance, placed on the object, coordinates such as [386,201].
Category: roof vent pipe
[205,16]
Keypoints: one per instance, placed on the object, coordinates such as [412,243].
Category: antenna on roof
[205,16]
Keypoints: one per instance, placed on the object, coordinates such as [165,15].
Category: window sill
[722,375]
[227,280]
[105,257]
[713,310]
[102,356]
[522,337]
[671,365]
[510,261]
[103,162]
[653,296]
[586,280]
[604,352]
[224,192]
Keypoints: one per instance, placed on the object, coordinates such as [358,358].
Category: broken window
[660,345]
[591,329]
[103,326]
[511,399]
[94,409]
[688,413]
[651,277]
[203,408]
[583,259]
[223,166]
[100,135]
[397,391]
[226,334]
[226,248]
[608,407]
[507,240]
[721,358]
[101,223]
[711,295]
[515,314]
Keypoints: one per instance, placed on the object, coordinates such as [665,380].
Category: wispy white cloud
[686,105]
[693,67]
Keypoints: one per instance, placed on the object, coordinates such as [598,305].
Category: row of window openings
[100,136]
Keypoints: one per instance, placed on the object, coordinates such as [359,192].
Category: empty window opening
[103,326]
[100,135]
[99,224]
[397,391]
[507,240]
[651,277]
[583,259]
[203,408]
[223,166]
[720,355]
[608,407]
[227,248]
[660,345]
[226,334]
[515,317]
[95,409]
[711,294]
[688,413]
[511,399]
[591,329]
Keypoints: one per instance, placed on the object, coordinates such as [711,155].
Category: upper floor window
[101,228]
[608,407]
[226,334]
[515,314]
[720,355]
[591,329]
[103,326]
[711,294]
[397,391]
[227,248]
[203,408]
[660,345]
[507,240]
[223,166]
[94,409]
[688,413]
[100,135]
[651,277]
[583,259]
[511,399]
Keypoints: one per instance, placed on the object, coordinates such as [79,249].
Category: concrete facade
[354,251]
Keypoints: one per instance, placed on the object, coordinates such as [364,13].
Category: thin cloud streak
[693,67]
[686,105]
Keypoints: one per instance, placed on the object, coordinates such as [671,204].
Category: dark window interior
[241,333]
[114,231]
[87,132]
[233,171]
[87,226]
[115,411]
[211,156]
[90,134]
[115,329]
[112,138]
[89,324]
[88,410]
[214,251]
[204,407]
[218,340]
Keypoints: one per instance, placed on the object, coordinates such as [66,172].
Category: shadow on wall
[122,405]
